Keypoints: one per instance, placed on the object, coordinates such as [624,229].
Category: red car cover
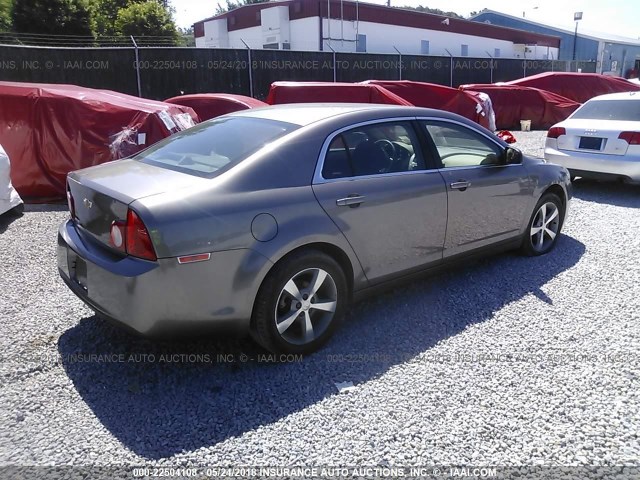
[50,130]
[514,103]
[211,105]
[304,92]
[579,87]
[431,95]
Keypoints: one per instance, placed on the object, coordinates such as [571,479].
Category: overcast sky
[619,17]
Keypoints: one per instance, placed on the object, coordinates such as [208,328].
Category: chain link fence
[159,72]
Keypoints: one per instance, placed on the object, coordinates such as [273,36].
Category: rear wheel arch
[335,252]
[324,256]
[339,256]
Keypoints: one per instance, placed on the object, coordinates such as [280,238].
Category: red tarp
[211,105]
[313,92]
[431,95]
[514,103]
[579,87]
[50,130]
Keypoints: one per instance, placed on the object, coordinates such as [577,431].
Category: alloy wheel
[306,306]
[545,226]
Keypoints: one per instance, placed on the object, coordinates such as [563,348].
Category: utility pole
[577,17]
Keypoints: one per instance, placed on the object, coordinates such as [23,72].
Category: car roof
[307,113]
[617,96]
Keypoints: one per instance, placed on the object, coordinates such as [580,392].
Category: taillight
[555,132]
[71,203]
[137,239]
[632,138]
[132,237]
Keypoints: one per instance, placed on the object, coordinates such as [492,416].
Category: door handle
[350,201]
[461,185]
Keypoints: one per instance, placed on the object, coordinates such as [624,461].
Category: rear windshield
[214,146]
[610,110]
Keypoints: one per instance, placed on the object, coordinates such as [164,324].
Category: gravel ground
[503,362]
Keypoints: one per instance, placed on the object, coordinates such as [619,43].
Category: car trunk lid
[101,195]
[581,136]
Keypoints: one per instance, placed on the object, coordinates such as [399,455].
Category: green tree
[6,22]
[232,5]
[476,12]
[148,18]
[55,17]
[105,13]
[186,38]
[435,11]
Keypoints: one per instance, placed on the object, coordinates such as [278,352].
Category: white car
[9,198]
[599,140]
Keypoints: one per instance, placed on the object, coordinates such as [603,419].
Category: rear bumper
[627,167]
[163,297]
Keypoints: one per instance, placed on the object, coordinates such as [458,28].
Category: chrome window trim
[378,175]
[468,167]
[317,175]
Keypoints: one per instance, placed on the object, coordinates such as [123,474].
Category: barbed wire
[47,40]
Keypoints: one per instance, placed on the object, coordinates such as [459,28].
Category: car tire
[285,319]
[16,211]
[544,227]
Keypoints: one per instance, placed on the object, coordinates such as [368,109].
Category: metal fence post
[335,69]
[249,67]
[334,62]
[400,64]
[450,68]
[135,46]
[491,67]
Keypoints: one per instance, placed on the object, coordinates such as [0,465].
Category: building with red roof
[351,26]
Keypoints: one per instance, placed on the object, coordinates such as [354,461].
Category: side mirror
[512,156]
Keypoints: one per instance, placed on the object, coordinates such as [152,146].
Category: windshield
[626,110]
[207,149]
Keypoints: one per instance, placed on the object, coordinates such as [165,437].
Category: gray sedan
[272,221]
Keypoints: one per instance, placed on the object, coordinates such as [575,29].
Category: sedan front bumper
[161,297]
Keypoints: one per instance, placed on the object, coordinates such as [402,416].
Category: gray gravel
[499,363]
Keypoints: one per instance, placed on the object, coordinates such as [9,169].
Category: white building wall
[342,35]
[534,52]
[215,34]
[275,27]
[305,34]
[253,37]
[382,39]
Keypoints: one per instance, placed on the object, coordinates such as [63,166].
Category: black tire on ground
[263,322]
[528,248]
[16,211]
